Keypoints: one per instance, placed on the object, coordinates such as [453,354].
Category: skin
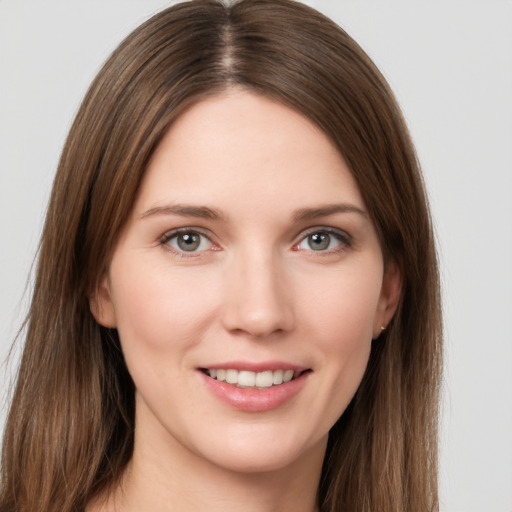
[256,289]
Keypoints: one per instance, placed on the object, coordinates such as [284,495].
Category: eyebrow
[201,212]
[304,214]
[204,212]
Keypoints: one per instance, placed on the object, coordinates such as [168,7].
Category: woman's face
[248,260]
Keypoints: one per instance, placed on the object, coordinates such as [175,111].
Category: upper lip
[254,366]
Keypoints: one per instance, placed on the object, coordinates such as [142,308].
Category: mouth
[255,387]
[253,380]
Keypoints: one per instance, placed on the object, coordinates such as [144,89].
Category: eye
[323,241]
[188,241]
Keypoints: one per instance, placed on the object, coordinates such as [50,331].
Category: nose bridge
[259,300]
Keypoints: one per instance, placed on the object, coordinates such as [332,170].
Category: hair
[70,430]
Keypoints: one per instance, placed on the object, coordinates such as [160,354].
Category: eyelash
[164,241]
[345,240]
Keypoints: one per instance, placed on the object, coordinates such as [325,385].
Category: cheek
[340,319]
[341,307]
[157,310]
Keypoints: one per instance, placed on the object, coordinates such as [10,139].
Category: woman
[237,301]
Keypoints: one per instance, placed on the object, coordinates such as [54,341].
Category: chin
[266,453]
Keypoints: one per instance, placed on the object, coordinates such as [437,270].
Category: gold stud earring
[382,328]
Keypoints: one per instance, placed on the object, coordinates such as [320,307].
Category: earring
[382,329]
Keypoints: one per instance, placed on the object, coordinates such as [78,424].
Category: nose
[259,298]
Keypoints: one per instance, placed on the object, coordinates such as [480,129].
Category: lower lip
[252,399]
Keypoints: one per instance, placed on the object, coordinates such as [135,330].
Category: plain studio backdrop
[450,65]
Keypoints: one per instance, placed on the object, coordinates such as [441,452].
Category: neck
[218,490]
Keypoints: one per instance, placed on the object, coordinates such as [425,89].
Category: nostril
[258,323]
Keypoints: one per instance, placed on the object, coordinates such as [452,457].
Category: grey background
[450,64]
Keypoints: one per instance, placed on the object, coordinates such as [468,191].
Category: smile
[249,379]
[253,390]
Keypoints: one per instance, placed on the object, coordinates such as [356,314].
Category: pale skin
[276,263]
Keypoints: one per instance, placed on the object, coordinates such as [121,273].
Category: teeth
[264,379]
[288,376]
[277,378]
[232,376]
[247,379]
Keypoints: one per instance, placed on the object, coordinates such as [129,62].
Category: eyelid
[345,238]
[169,235]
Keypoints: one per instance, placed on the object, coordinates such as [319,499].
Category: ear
[101,305]
[389,297]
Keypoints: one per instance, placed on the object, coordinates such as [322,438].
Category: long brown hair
[69,433]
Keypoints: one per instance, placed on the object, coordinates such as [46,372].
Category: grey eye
[319,241]
[189,241]
[323,241]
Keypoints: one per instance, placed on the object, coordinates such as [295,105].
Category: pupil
[319,241]
[188,242]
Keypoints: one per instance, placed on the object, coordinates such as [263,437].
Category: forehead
[242,146]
